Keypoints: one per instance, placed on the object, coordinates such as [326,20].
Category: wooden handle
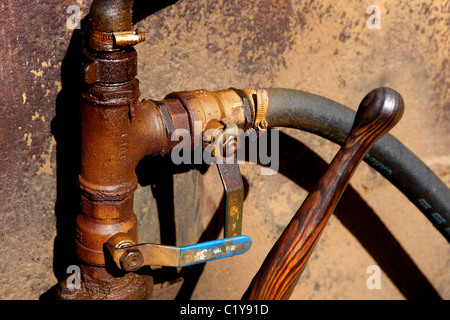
[379,111]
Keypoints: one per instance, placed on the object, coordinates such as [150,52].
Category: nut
[131,260]
[230,146]
[263,125]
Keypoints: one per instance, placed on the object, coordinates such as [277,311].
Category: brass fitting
[205,109]
[113,39]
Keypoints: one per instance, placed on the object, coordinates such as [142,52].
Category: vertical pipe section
[112,144]
[107,178]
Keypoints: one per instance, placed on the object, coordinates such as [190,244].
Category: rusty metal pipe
[116,134]
[118,130]
[110,25]
[111,15]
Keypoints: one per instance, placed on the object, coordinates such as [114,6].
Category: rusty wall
[323,47]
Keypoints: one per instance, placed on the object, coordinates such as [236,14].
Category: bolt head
[230,146]
[132,260]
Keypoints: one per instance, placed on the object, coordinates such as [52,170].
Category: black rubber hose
[333,121]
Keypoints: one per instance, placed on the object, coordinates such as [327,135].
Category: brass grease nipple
[119,39]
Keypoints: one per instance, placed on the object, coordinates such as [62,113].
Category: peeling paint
[58,85]
[27,138]
[37,73]
[38,116]
[46,168]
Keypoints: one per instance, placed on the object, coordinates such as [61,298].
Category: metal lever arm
[223,148]
[133,257]
[234,198]
[130,256]
[379,111]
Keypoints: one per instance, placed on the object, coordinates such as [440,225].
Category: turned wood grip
[379,111]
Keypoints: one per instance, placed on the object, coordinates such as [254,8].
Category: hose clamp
[116,39]
[262,106]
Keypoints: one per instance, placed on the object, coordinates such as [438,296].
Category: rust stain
[269,36]
[345,33]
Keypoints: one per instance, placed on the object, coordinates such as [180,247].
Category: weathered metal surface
[114,137]
[319,46]
[98,284]
[213,250]
[113,143]
[39,131]
[175,117]
[108,17]
[109,67]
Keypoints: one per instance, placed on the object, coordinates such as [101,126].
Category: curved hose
[333,121]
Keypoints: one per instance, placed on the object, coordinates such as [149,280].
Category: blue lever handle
[151,254]
[213,250]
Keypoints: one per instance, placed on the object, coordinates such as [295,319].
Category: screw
[132,260]
[263,125]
